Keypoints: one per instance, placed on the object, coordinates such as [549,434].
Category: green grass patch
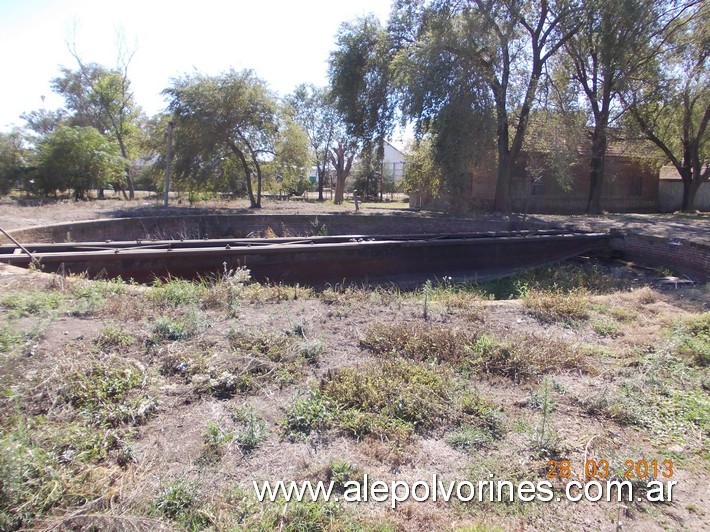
[693,336]
[33,303]
[109,396]
[392,400]
[176,292]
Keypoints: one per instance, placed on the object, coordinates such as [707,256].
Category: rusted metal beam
[321,260]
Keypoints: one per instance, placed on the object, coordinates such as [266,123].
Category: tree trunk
[690,191]
[342,165]
[129,177]
[502,201]
[321,178]
[596,175]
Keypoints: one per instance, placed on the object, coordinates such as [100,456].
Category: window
[538,186]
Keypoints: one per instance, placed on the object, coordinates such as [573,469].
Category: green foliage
[33,302]
[114,338]
[176,292]
[250,429]
[421,172]
[78,158]
[292,162]
[13,160]
[224,125]
[180,501]
[109,395]
[694,339]
[309,414]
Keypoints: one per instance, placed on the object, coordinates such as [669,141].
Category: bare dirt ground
[143,408]
[14,215]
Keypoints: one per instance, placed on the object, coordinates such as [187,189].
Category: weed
[556,306]
[89,296]
[426,290]
[264,344]
[606,327]
[179,501]
[251,429]
[215,438]
[341,472]
[109,395]
[417,341]
[9,339]
[312,350]
[482,413]
[302,516]
[178,328]
[611,404]
[469,437]
[176,292]
[389,398]
[114,338]
[33,303]
[524,357]
[32,481]
[545,442]
[305,415]
[693,337]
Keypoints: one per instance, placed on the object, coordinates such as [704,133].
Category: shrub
[420,342]
[556,306]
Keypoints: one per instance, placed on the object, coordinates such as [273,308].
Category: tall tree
[607,50]
[671,102]
[13,160]
[78,158]
[231,115]
[361,84]
[442,93]
[101,97]
[311,108]
[507,44]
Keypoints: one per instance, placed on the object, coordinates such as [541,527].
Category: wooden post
[168,158]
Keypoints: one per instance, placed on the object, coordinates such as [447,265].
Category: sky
[285,42]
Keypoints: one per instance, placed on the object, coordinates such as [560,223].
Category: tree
[361,87]
[78,158]
[506,44]
[292,161]
[671,104]
[229,116]
[311,107]
[342,155]
[608,49]
[13,156]
[443,93]
[102,98]
[421,172]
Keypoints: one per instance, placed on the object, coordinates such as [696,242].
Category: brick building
[631,184]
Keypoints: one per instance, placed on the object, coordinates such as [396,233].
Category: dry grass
[113,419]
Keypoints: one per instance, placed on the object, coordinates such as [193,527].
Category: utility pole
[168,158]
